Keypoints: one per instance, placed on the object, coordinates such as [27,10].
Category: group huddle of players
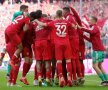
[56,44]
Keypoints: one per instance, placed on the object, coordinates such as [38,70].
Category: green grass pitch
[91,83]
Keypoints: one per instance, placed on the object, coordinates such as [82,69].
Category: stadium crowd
[59,53]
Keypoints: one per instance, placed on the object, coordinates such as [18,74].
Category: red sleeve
[90,31]
[85,37]
[76,16]
[27,20]
[71,19]
[50,24]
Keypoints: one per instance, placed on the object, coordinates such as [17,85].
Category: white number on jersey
[17,18]
[61,30]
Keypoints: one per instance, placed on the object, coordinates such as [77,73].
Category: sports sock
[105,76]
[15,74]
[26,66]
[59,68]
[35,73]
[69,68]
[29,66]
[79,69]
[101,77]
[74,70]
[48,73]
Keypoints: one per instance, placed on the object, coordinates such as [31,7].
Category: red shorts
[10,49]
[42,50]
[82,52]
[12,36]
[75,48]
[27,52]
[62,51]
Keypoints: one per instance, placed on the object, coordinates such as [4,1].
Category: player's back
[61,30]
[41,33]
[19,22]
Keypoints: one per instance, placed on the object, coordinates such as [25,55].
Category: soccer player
[27,42]
[23,8]
[60,29]
[81,47]
[12,36]
[74,41]
[42,49]
[98,49]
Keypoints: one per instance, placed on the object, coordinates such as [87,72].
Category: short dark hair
[33,15]
[94,18]
[23,7]
[59,13]
[39,14]
[66,9]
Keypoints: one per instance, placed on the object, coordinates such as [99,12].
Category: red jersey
[19,22]
[60,30]
[29,36]
[41,33]
[95,38]
[72,33]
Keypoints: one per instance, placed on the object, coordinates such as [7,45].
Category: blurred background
[85,8]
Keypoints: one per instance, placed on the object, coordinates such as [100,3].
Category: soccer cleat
[24,80]
[48,82]
[61,82]
[15,85]
[103,83]
[35,83]
[75,83]
[8,83]
[56,80]
[40,81]
[81,81]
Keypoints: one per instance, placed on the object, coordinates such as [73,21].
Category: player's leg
[60,73]
[17,42]
[39,58]
[35,83]
[69,71]
[68,56]
[39,71]
[59,58]
[27,54]
[47,59]
[15,73]
[96,61]
[48,72]
[103,71]
[26,67]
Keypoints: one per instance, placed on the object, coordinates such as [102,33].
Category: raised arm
[85,37]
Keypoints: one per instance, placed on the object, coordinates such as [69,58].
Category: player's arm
[86,29]
[85,37]
[2,55]
[76,15]
[25,27]
[40,23]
